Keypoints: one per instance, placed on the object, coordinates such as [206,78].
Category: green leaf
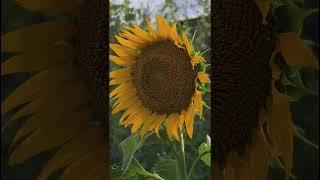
[137,172]
[290,17]
[167,169]
[204,152]
[129,146]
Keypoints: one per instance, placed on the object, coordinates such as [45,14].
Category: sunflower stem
[181,162]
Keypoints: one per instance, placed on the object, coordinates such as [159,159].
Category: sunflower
[252,122]
[158,82]
[65,99]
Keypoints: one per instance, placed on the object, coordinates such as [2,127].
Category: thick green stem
[182,168]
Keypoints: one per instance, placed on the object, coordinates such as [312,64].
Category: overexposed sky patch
[186,8]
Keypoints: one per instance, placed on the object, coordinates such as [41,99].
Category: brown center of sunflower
[242,76]
[164,77]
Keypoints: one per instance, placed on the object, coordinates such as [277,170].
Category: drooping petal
[203,77]
[172,126]
[197,100]
[159,121]
[280,127]
[196,59]
[295,51]
[187,44]
[182,119]
[147,124]
[189,120]
[139,121]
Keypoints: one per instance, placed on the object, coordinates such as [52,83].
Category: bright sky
[186,8]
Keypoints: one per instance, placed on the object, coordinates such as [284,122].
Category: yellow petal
[295,51]
[122,88]
[187,44]
[164,29]
[174,34]
[124,53]
[182,119]
[38,60]
[139,120]
[120,61]
[203,77]
[125,104]
[197,100]
[196,59]
[149,25]
[159,121]
[172,126]
[119,80]
[280,127]
[131,110]
[36,36]
[52,6]
[120,73]
[147,125]
[189,120]
[133,38]
[141,33]
[126,42]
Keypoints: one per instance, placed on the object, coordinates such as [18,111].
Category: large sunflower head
[158,82]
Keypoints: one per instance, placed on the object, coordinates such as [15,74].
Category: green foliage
[205,152]
[290,17]
[129,146]
[167,169]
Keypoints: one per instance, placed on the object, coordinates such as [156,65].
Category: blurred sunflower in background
[159,81]
[252,123]
[65,100]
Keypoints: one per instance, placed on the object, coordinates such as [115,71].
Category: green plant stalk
[181,162]
[195,162]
